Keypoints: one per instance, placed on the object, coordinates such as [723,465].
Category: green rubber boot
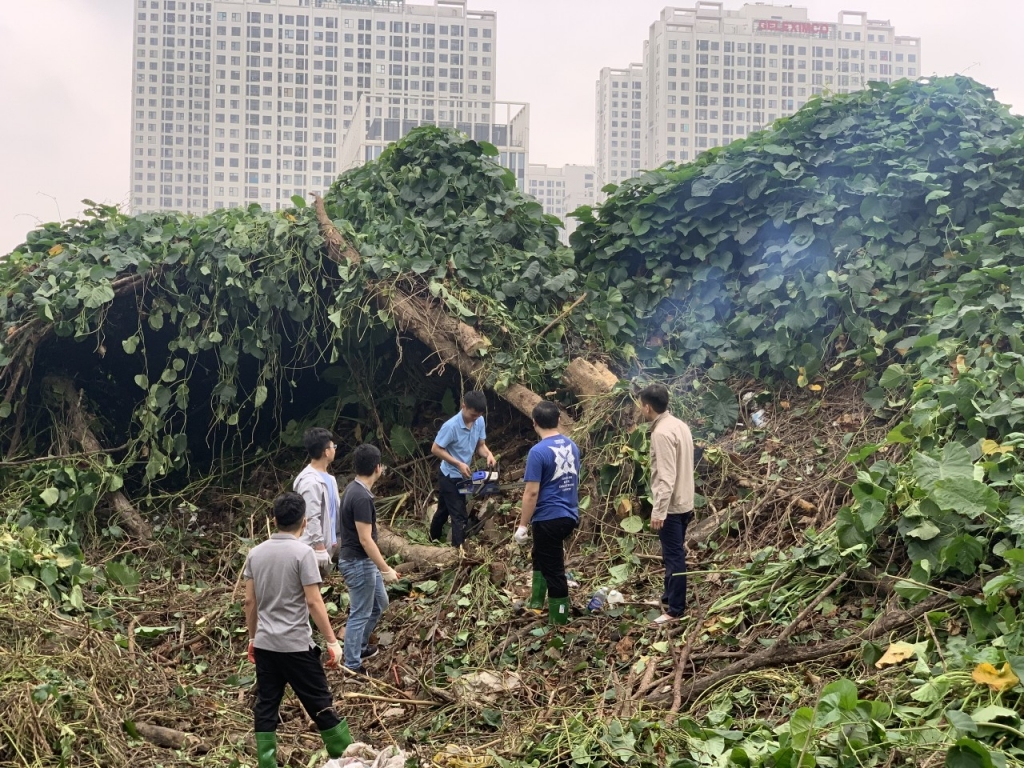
[558,610]
[336,739]
[266,749]
[540,591]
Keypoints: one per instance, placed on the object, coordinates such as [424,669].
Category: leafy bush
[816,237]
[30,562]
[435,204]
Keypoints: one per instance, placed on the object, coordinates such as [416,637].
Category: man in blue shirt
[551,504]
[460,438]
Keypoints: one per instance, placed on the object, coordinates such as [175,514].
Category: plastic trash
[599,600]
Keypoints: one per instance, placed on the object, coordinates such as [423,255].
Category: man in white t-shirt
[320,490]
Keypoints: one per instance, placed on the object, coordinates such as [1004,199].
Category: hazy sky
[65,81]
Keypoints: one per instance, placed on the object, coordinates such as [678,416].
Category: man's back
[672,460]
[554,462]
[280,568]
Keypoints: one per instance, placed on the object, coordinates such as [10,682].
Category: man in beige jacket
[671,494]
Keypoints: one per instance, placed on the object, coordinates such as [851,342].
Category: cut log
[170,738]
[390,543]
[450,339]
[589,380]
[79,419]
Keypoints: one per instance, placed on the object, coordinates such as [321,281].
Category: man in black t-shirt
[361,564]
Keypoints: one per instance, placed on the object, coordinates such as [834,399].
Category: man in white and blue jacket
[319,489]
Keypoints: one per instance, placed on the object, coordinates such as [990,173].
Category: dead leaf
[997,680]
[624,507]
[806,506]
[989,447]
[624,648]
[896,653]
[815,387]
[784,404]
[57,250]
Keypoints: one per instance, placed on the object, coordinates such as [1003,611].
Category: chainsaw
[485,483]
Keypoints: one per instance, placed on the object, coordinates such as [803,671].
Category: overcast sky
[65,81]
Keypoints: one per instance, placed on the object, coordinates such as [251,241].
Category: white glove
[390,576]
[522,535]
[334,655]
[323,561]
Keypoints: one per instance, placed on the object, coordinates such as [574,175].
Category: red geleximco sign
[794,27]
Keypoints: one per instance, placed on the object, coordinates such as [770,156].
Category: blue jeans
[367,600]
[673,555]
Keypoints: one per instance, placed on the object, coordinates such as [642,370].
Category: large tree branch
[454,342]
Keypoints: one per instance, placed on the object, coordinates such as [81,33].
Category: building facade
[712,75]
[389,118]
[561,190]
[618,148]
[249,101]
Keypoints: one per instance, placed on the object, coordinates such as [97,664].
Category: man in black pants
[282,591]
[459,439]
[672,494]
[551,505]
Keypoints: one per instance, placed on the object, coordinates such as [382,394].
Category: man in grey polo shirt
[282,591]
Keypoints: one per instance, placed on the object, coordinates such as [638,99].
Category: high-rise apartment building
[248,101]
[620,124]
[561,190]
[714,75]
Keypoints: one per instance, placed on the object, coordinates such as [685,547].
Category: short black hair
[289,511]
[316,440]
[366,459]
[656,396]
[476,400]
[546,415]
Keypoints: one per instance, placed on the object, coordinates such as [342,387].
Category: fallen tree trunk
[589,380]
[78,423]
[450,339]
[390,543]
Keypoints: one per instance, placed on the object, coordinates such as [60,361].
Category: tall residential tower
[249,101]
[712,75]
[619,141]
